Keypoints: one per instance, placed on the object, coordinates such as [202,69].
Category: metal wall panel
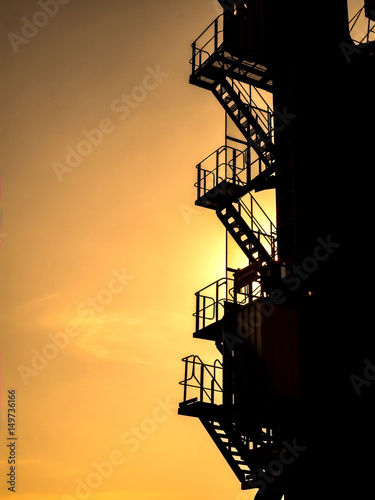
[266,355]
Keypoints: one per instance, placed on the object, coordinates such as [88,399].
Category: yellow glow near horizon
[105,250]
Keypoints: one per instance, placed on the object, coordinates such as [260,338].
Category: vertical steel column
[201,388]
[185,384]
[193,58]
[197,312]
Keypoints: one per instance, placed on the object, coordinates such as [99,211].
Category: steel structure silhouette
[289,402]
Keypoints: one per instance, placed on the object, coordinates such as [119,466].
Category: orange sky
[102,249]
[101,253]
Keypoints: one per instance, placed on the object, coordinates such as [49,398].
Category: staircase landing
[221,62]
[219,195]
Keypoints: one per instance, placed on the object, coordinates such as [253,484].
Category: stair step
[242,115]
[244,236]
[237,454]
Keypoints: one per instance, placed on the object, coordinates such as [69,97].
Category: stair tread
[238,228]
[239,457]
[250,126]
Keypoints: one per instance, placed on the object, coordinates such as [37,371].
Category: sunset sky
[102,249]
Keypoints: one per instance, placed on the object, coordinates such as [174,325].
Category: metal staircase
[253,122]
[245,455]
[222,431]
[229,174]
[229,446]
[224,178]
[233,80]
[213,56]
[255,125]
[247,239]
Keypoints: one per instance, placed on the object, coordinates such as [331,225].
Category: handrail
[254,202]
[208,286]
[263,115]
[202,314]
[214,22]
[230,163]
[237,171]
[200,372]
[269,237]
[221,148]
[268,107]
[198,51]
[211,301]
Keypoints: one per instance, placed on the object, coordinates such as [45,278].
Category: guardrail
[207,43]
[203,379]
[212,299]
[226,164]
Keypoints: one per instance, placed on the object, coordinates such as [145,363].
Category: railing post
[216,34]
[201,389]
[248,166]
[197,311]
[185,384]
[199,167]
[193,58]
[204,312]
[252,212]
[217,302]
[217,168]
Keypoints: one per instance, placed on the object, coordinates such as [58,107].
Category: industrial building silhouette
[289,402]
